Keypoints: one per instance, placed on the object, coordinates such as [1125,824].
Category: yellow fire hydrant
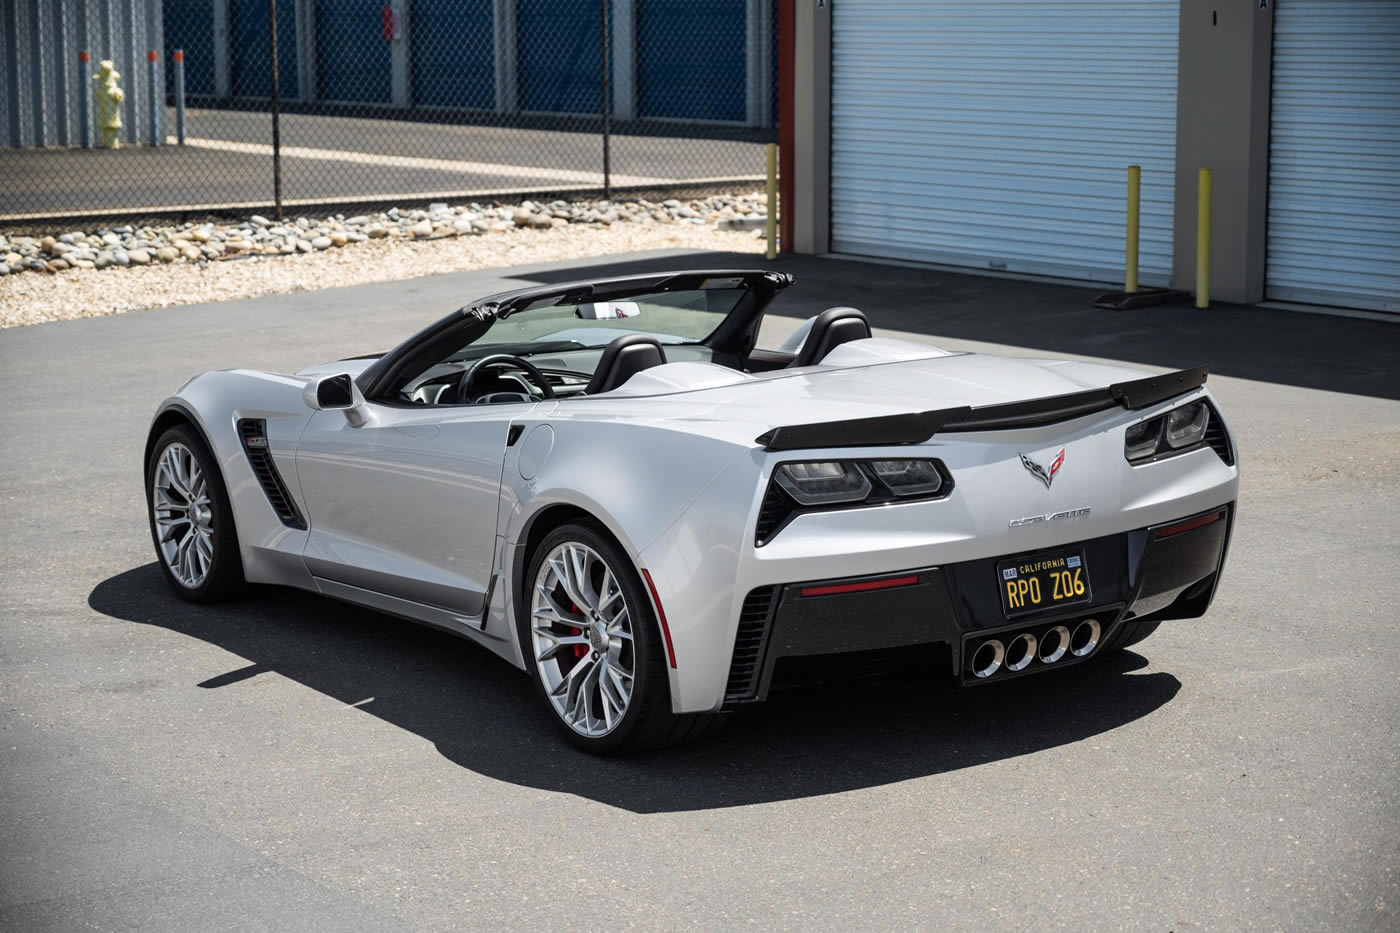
[109,100]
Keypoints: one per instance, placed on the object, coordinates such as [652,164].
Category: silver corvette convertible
[607,484]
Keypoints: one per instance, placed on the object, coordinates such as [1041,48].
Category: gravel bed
[112,271]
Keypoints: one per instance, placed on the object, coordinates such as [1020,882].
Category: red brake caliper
[579,650]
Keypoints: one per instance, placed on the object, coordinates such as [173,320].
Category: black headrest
[624,358]
[831,328]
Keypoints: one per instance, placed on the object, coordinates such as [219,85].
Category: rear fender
[635,480]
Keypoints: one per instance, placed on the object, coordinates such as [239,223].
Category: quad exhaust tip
[1020,652]
[1054,644]
[986,660]
[1085,638]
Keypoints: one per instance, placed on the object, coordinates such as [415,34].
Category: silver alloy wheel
[581,635]
[184,515]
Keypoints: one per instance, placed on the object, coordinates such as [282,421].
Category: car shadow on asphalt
[480,712]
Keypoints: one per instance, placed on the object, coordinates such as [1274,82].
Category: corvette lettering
[1049,517]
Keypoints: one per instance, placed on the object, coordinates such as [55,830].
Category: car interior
[561,364]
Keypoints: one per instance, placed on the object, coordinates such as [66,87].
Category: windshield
[676,317]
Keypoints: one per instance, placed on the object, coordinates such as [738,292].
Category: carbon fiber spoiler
[917,427]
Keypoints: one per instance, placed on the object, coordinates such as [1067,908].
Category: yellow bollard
[1130,253]
[772,225]
[1203,239]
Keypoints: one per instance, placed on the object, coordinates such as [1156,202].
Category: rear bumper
[1164,571]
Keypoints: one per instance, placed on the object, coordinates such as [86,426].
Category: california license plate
[1043,581]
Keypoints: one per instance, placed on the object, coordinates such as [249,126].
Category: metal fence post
[276,114]
[85,99]
[153,97]
[180,95]
[607,108]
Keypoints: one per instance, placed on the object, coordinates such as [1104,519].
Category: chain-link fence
[376,101]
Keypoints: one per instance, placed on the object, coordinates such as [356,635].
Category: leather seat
[624,358]
[830,329]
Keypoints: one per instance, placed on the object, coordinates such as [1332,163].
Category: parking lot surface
[288,762]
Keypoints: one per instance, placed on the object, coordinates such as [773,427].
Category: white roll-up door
[1334,154]
[997,134]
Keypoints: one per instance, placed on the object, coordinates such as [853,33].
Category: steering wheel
[500,361]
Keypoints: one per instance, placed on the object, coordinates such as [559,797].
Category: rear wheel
[191,519]
[591,644]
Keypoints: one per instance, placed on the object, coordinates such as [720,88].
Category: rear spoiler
[917,427]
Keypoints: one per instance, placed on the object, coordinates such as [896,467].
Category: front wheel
[591,644]
[191,519]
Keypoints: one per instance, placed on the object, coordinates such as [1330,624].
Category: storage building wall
[671,59]
[39,68]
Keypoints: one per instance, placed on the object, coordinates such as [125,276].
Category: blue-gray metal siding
[39,69]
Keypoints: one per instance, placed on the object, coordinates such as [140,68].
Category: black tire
[1130,633]
[648,722]
[224,577]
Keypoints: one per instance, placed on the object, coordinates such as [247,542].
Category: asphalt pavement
[289,762]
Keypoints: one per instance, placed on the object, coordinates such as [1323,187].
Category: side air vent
[747,663]
[253,433]
[1218,439]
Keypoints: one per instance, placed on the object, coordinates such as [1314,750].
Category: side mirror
[336,393]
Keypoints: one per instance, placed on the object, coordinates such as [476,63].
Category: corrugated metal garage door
[190,26]
[1334,154]
[453,54]
[248,29]
[691,59]
[561,56]
[352,51]
[997,134]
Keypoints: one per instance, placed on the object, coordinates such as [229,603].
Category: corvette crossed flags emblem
[1039,472]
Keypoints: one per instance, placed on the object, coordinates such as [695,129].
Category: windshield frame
[733,339]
